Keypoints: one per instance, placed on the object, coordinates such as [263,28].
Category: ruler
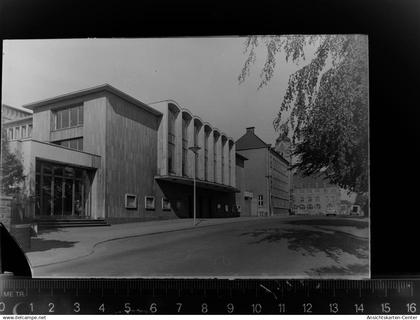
[196,296]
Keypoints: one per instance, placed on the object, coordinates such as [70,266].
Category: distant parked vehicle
[331,212]
[356,210]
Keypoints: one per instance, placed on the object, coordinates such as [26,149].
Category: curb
[128,237]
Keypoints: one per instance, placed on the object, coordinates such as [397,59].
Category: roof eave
[84,92]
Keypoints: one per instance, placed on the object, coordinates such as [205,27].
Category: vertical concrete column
[200,138]
[219,160]
[162,156]
[178,144]
[233,165]
[210,161]
[218,147]
[42,123]
[226,167]
[190,154]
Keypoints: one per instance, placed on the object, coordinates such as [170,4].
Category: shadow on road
[312,242]
[331,222]
[44,245]
[361,269]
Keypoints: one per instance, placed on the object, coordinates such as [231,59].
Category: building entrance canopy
[200,183]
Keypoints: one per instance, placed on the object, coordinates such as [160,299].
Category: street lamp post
[195,149]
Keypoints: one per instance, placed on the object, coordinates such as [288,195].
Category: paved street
[266,247]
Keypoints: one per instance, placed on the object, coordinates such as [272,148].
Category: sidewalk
[66,244]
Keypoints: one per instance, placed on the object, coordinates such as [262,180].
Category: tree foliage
[325,106]
[11,170]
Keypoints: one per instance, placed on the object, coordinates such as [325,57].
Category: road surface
[269,247]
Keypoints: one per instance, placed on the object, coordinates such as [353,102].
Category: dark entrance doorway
[62,191]
[200,207]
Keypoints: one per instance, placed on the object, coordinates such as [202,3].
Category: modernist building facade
[100,153]
[212,165]
[266,176]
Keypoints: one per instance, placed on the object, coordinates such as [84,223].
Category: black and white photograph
[188,157]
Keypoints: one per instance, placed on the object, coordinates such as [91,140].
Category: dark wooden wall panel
[131,156]
[94,129]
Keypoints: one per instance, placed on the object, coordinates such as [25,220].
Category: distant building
[244,198]
[266,175]
[16,122]
[313,195]
[20,128]
[12,113]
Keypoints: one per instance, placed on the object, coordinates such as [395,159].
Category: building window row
[19,132]
[68,118]
[149,202]
[76,144]
[308,207]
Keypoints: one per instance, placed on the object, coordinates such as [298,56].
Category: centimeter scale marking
[197,296]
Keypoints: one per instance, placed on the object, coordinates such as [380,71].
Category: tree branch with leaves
[325,105]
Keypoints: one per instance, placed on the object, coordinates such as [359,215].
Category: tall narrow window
[23,131]
[29,130]
[260,200]
[10,134]
[80,117]
[17,133]
[73,117]
[65,118]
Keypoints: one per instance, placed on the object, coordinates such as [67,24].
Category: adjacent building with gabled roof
[266,175]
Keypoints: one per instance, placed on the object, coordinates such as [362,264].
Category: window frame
[10,132]
[58,117]
[153,204]
[260,200]
[66,143]
[166,208]
[23,129]
[126,201]
[17,133]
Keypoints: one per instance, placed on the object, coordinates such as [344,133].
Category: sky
[200,74]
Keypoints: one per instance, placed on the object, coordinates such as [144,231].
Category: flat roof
[17,108]
[17,120]
[104,87]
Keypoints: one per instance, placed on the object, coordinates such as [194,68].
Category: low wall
[6,211]
[20,232]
